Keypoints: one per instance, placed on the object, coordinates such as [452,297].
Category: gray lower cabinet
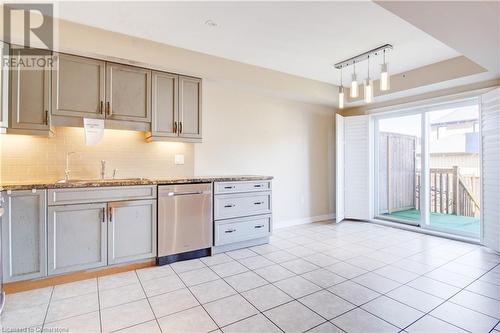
[131,230]
[24,235]
[29,96]
[78,86]
[77,237]
[128,93]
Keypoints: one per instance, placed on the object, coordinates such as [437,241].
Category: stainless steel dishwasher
[185,226]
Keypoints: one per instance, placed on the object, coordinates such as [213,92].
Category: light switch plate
[179,159]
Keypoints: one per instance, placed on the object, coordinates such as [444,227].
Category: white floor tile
[325,328]
[73,289]
[464,318]
[299,266]
[198,276]
[323,278]
[280,256]
[73,306]
[229,268]
[194,320]
[376,282]
[297,286]
[353,292]
[294,317]
[211,291]
[255,324]
[266,297]
[396,274]
[346,270]
[433,287]
[126,315]
[274,273]
[22,318]
[321,260]
[485,289]
[228,310]
[147,327]
[326,304]
[360,321]
[415,298]
[117,280]
[30,298]
[240,254]
[257,261]
[454,279]
[216,259]
[121,295]
[429,324]
[187,265]
[245,281]
[151,273]
[392,311]
[162,285]
[366,263]
[479,303]
[172,302]
[86,323]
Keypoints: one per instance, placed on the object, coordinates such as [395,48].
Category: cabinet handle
[259,226]
[110,213]
[257,185]
[46,117]
[228,187]
[101,108]
[230,231]
[229,206]
[175,127]
[103,215]
[180,127]
[108,108]
[258,203]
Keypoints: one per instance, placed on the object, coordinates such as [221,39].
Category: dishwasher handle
[175,194]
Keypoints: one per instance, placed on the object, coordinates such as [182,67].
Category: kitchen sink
[85,181]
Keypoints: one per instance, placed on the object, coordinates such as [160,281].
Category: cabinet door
[128,93]
[30,94]
[165,90]
[78,87]
[132,230]
[77,237]
[4,86]
[189,107]
[24,235]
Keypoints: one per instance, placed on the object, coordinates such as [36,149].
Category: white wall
[248,133]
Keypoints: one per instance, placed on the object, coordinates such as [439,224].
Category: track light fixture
[368,83]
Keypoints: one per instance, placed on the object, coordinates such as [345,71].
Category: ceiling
[300,38]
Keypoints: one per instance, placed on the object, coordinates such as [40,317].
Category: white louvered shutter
[357,167]
[490,133]
[339,170]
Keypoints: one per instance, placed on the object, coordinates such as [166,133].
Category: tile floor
[322,277]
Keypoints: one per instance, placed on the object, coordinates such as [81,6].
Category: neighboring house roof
[458,115]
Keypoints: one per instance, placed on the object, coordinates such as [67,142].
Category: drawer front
[242,229]
[100,194]
[227,206]
[242,186]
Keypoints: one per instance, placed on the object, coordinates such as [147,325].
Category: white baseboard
[312,219]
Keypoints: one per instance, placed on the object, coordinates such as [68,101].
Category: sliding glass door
[427,167]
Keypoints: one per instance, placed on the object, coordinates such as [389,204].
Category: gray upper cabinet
[24,235]
[4,87]
[165,90]
[189,107]
[30,97]
[128,93]
[78,87]
[77,237]
[131,230]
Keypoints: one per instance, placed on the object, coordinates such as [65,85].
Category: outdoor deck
[446,222]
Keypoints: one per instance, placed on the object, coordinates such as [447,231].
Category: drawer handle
[259,203]
[229,206]
[259,226]
[257,185]
[228,187]
[230,231]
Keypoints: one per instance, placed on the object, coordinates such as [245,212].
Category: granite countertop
[130,182]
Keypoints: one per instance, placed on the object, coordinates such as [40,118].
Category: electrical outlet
[179,159]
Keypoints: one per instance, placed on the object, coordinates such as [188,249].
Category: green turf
[445,222]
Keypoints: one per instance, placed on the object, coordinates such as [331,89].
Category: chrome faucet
[67,171]
[114,173]
[103,169]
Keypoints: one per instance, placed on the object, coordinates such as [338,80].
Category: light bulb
[341,97]
[354,86]
[368,90]
[384,78]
